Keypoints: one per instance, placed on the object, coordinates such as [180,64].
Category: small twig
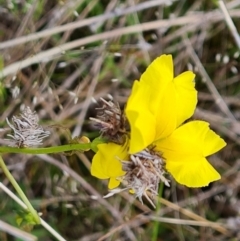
[230,23]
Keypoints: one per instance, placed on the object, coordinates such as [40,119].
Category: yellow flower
[156,109]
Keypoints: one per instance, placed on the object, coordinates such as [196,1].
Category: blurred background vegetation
[60,57]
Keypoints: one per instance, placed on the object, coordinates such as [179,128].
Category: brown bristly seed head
[111,121]
[144,172]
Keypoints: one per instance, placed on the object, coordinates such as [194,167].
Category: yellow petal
[177,94]
[166,113]
[115,153]
[185,150]
[159,103]
[97,169]
[177,104]
[160,70]
[212,143]
[113,183]
[144,108]
[193,171]
[157,76]
[186,96]
[141,120]
[142,131]
[106,162]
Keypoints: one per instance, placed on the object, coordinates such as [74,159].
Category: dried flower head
[111,122]
[144,173]
[27,131]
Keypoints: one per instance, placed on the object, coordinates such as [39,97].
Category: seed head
[111,122]
[27,131]
[144,172]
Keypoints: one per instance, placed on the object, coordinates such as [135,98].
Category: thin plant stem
[19,191]
[46,150]
[23,205]
[55,149]
[156,223]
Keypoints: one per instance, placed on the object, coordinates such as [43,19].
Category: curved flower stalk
[156,110]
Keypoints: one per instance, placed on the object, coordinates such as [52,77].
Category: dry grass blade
[18,233]
[81,23]
[229,22]
[198,219]
[186,222]
[48,55]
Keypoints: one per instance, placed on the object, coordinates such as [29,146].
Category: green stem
[23,205]
[156,223]
[46,150]
[19,191]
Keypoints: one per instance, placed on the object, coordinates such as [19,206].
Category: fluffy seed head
[26,130]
